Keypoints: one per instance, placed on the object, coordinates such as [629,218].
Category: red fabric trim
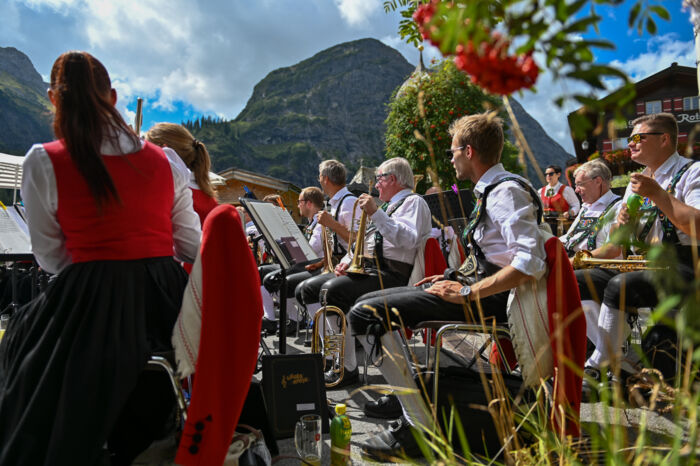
[555,203]
[228,348]
[568,336]
[434,265]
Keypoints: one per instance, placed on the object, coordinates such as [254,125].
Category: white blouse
[40,198]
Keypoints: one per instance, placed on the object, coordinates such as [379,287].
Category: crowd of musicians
[114,217]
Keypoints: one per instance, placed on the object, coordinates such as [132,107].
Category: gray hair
[593,169]
[399,167]
[334,171]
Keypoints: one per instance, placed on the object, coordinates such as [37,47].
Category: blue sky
[189,58]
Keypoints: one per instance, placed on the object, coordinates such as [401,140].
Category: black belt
[402,269]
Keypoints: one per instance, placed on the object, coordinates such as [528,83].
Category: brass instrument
[329,343]
[327,241]
[584,260]
[356,267]
[138,119]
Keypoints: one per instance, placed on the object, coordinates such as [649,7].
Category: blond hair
[192,151]
[483,132]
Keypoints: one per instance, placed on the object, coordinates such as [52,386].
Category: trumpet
[584,260]
[356,267]
[329,342]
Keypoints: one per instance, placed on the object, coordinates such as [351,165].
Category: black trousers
[415,305]
[307,292]
[607,286]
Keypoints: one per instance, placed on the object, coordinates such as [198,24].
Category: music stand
[456,210]
[15,246]
[288,245]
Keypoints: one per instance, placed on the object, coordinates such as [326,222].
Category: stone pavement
[660,428]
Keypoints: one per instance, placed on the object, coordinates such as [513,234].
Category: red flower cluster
[488,63]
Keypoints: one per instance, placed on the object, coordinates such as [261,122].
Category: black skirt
[70,359]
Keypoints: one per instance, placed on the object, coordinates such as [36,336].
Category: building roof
[258,179]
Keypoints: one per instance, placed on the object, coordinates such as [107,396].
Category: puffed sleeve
[186,224]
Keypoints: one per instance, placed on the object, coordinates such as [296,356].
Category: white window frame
[652,106]
[690,103]
[619,143]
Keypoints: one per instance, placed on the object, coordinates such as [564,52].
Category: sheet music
[280,232]
[14,234]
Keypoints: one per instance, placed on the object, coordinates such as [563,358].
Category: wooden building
[673,90]
[260,185]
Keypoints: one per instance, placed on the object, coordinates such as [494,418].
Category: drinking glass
[307,438]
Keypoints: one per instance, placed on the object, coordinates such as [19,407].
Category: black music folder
[281,233]
[293,385]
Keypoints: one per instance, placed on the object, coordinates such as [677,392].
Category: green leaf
[582,24]
[651,26]
[634,12]
[661,12]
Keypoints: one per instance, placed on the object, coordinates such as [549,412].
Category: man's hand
[566,215]
[645,186]
[325,218]
[447,290]
[623,216]
[431,279]
[314,266]
[340,269]
[366,203]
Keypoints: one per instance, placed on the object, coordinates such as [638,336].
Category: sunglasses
[637,137]
[550,173]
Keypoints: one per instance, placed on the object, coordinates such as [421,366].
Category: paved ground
[660,428]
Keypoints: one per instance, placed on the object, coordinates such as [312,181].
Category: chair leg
[162,363]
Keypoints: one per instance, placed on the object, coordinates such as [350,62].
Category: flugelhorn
[584,260]
[329,343]
[356,267]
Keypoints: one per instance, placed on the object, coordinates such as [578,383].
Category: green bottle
[634,202]
[340,437]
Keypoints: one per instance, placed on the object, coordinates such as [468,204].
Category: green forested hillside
[332,105]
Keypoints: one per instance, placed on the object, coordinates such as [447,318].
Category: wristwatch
[465,291]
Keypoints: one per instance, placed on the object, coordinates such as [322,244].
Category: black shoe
[591,383]
[392,444]
[349,378]
[269,326]
[291,328]
[386,407]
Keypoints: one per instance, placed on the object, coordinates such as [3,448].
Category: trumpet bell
[330,343]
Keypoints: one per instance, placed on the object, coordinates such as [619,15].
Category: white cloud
[660,52]
[357,12]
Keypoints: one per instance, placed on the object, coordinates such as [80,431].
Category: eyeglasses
[549,173]
[301,200]
[379,177]
[452,151]
[576,185]
[638,137]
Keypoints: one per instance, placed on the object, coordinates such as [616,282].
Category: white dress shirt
[687,191]
[315,239]
[569,196]
[507,234]
[344,216]
[595,209]
[405,230]
[40,198]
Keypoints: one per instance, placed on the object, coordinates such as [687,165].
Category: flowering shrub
[487,61]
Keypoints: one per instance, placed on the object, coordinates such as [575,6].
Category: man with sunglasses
[670,186]
[557,197]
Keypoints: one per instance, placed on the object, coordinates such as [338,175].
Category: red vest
[138,227]
[555,203]
[202,204]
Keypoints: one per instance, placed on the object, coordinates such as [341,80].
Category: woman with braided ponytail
[196,157]
[107,214]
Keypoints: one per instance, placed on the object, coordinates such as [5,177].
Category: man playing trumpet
[670,187]
[396,232]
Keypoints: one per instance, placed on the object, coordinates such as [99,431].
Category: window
[653,106]
[690,103]
[619,143]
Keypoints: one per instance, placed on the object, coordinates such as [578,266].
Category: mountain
[332,105]
[25,110]
[546,150]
